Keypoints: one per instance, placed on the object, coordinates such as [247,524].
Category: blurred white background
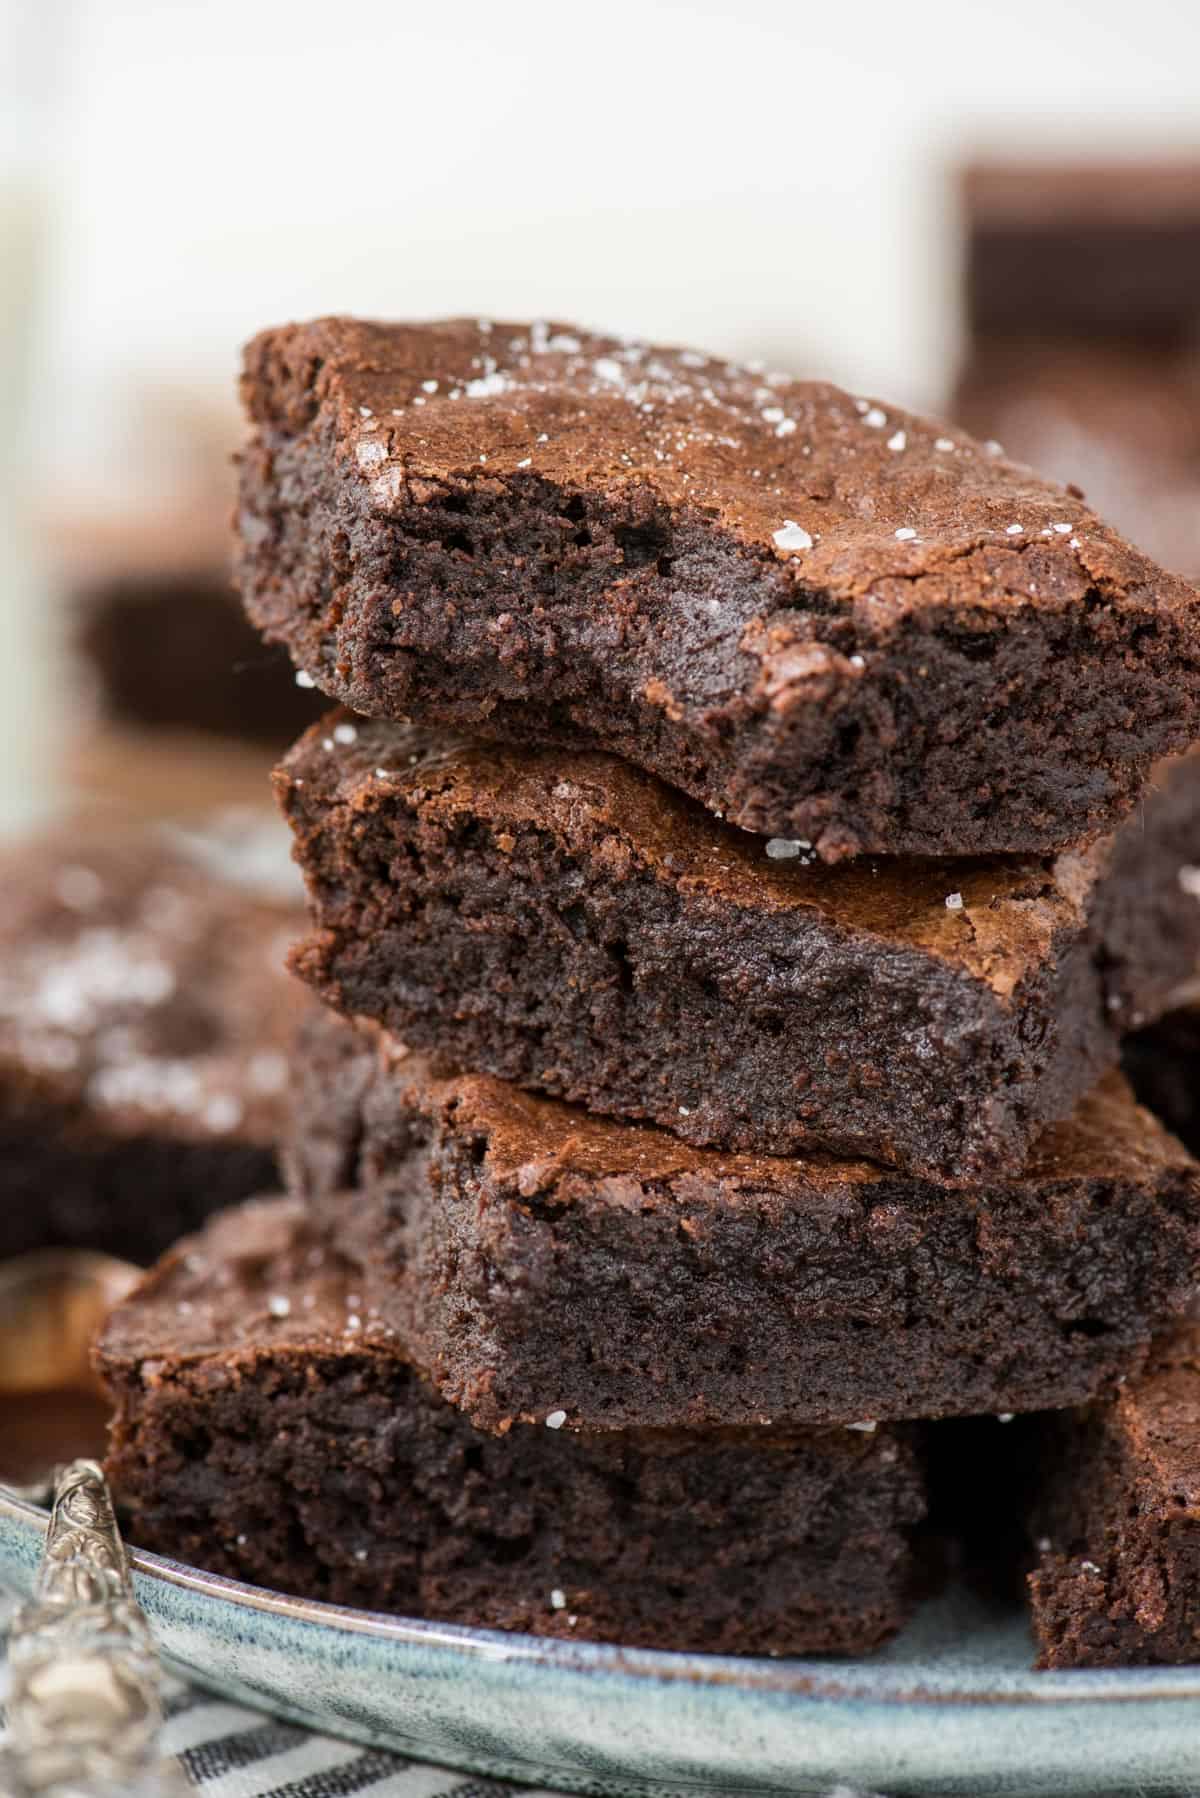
[766,178]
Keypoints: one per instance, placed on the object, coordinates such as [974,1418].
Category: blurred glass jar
[31,39]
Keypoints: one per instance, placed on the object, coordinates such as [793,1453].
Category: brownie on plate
[1117,1520]
[547,1264]
[269,1425]
[570,923]
[826,619]
[145,1019]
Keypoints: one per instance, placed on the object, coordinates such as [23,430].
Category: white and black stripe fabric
[228,1752]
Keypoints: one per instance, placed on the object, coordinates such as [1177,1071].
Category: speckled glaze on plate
[951,1708]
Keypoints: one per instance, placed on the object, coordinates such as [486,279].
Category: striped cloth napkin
[228,1752]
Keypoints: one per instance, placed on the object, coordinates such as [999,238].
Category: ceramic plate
[950,1708]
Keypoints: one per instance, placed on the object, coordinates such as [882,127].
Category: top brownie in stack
[827,620]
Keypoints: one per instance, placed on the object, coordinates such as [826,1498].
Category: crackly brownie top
[996,918]
[142,978]
[849,495]
[532,1145]
[258,1276]
[1158,1415]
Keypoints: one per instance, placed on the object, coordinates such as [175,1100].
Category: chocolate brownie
[1162,1064]
[546,1264]
[270,1426]
[826,619]
[1117,1521]
[145,1019]
[158,632]
[1084,249]
[174,651]
[568,922]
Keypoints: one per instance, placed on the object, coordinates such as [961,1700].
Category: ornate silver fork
[84,1703]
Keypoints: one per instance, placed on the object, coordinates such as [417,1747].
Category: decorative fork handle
[84,1705]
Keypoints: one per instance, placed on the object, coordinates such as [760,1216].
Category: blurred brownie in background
[156,626]
[1083,249]
[145,1018]
[1082,299]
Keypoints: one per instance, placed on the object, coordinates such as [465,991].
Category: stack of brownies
[750,842]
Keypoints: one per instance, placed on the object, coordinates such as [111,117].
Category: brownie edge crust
[270,1427]
[826,619]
